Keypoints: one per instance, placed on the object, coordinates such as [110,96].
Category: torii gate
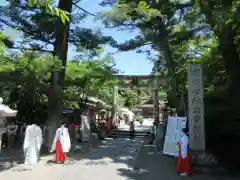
[195,100]
[134,80]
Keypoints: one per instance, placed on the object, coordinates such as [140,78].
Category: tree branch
[31,49]
[75,4]
[192,50]
[29,33]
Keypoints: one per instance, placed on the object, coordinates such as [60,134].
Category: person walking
[61,144]
[32,143]
[132,130]
[141,120]
[152,132]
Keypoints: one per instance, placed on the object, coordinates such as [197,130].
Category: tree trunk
[55,94]
[228,49]
[171,71]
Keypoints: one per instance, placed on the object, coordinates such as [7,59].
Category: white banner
[85,125]
[174,127]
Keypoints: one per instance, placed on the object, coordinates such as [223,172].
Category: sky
[130,63]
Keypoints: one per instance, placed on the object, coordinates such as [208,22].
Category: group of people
[14,133]
[33,142]
[11,133]
[61,145]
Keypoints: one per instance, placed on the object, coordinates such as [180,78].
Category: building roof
[93,99]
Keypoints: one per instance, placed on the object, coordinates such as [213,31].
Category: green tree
[43,29]
[31,72]
[159,27]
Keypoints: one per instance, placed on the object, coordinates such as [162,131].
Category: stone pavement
[118,159]
[100,163]
[151,166]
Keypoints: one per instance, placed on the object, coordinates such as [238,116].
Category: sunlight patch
[125,158]
[107,146]
[104,161]
[151,153]
[142,171]
[108,139]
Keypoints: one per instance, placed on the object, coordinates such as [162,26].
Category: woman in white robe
[32,143]
[61,144]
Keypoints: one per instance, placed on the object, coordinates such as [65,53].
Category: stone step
[125,133]
[124,136]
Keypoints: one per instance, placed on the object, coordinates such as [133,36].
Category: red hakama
[183,164]
[60,155]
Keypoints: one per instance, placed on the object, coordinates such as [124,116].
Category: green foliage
[139,118]
[92,78]
[38,27]
[178,32]
[47,4]
[29,80]
[204,31]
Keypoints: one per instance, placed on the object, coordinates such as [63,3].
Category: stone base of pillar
[160,137]
[206,163]
[203,158]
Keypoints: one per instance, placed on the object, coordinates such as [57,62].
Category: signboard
[196,107]
[85,125]
[174,127]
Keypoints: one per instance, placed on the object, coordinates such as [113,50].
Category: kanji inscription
[195,106]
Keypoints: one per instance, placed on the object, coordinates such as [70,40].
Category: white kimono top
[184,141]
[33,136]
[32,144]
[63,135]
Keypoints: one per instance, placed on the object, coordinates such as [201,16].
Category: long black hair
[185,131]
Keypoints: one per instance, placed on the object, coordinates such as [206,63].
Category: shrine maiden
[32,143]
[184,165]
[61,144]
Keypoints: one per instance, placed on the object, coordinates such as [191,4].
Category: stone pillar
[2,129]
[138,95]
[196,107]
[114,107]
[156,99]
[159,127]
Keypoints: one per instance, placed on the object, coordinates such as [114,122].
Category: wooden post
[196,107]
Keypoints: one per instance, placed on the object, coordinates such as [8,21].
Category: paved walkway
[115,159]
[152,166]
[119,159]
[145,127]
[101,163]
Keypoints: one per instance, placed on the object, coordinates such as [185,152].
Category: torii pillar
[114,107]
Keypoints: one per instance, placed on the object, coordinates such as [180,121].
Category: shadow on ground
[10,159]
[124,157]
[145,165]
[152,166]
[117,151]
